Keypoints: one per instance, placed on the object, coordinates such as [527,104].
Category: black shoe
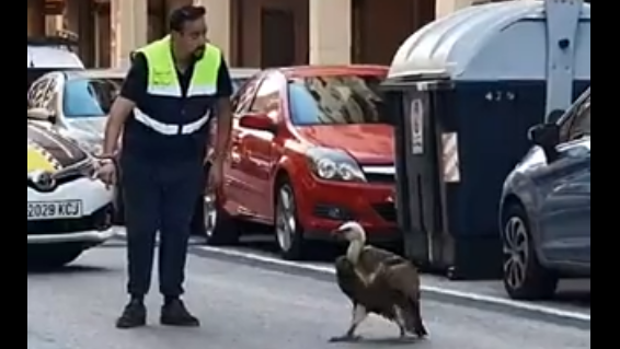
[174,313]
[134,315]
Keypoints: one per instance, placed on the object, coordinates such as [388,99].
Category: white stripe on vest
[169,129]
[166,90]
[201,90]
[175,90]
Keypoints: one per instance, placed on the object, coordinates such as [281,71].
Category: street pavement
[572,297]
[245,306]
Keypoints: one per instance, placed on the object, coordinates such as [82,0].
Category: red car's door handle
[235,155]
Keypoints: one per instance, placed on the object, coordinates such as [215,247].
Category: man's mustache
[199,52]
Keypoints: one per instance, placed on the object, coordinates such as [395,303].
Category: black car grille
[99,220]
[380,178]
[387,211]
[332,212]
[59,182]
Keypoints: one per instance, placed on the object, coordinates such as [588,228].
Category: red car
[311,148]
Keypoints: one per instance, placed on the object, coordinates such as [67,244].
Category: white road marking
[471,296]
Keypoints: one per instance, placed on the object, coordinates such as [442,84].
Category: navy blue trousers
[198,219]
[159,198]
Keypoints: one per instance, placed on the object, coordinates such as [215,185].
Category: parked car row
[310,148]
[313,146]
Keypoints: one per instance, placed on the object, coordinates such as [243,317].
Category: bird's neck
[354,250]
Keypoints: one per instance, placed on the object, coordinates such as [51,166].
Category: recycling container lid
[495,41]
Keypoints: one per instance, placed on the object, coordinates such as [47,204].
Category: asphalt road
[249,307]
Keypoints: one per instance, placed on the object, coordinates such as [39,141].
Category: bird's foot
[406,338]
[345,338]
[421,333]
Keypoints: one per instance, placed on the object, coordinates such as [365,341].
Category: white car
[77,103]
[68,211]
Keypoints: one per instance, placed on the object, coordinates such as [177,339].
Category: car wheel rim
[286,224]
[515,252]
[210,213]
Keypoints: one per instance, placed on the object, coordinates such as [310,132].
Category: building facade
[252,33]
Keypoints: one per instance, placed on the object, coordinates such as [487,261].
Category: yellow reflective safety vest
[162,74]
[166,121]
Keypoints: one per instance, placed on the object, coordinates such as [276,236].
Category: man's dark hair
[184,14]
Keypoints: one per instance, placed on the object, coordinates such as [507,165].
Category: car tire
[220,228]
[51,257]
[288,231]
[524,277]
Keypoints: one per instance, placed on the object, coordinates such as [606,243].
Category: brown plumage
[380,282]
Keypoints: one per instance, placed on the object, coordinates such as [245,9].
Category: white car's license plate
[54,209]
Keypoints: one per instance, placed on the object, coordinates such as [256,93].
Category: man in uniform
[174,85]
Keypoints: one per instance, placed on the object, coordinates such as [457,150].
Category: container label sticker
[417,126]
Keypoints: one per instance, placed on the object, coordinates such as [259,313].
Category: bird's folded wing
[403,277]
[371,257]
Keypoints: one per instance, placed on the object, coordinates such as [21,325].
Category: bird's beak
[337,234]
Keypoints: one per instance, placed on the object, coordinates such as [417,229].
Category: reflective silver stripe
[201,90]
[175,90]
[154,124]
[167,90]
[168,129]
[385,170]
[196,125]
[450,158]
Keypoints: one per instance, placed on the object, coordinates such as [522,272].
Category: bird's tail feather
[413,319]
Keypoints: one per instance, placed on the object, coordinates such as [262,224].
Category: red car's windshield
[336,100]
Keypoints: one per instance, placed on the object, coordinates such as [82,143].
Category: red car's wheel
[288,231]
[220,228]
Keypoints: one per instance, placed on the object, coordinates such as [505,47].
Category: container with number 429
[68,211]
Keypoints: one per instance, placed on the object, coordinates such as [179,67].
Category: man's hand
[106,172]
[120,111]
[216,175]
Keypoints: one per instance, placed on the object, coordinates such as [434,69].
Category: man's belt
[169,129]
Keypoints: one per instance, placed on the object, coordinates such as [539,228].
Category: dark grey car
[545,207]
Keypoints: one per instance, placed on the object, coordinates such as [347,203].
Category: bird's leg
[419,328]
[403,332]
[359,314]
[400,321]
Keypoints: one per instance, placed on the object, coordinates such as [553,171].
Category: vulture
[377,281]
